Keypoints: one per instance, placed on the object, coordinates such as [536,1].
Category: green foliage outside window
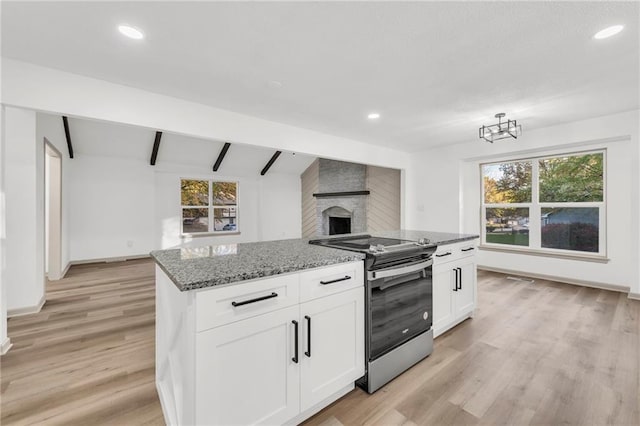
[194,192]
[507,183]
[576,178]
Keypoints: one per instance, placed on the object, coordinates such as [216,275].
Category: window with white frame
[554,203]
[209,206]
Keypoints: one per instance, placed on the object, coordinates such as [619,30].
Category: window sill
[209,234]
[543,253]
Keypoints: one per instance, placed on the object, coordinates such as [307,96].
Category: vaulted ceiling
[435,71]
[96,138]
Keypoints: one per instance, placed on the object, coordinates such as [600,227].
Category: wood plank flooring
[88,357]
[543,354]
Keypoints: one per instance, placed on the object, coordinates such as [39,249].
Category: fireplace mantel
[340,194]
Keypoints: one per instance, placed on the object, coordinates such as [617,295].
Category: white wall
[4,339]
[111,207]
[444,194]
[280,207]
[24,196]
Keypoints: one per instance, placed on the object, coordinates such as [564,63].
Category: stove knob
[380,248]
[372,249]
[423,241]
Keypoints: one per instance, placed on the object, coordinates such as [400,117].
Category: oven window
[401,308]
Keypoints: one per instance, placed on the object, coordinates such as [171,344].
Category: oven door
[400,306]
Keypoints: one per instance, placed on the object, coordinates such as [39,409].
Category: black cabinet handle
[346,277]
[308,352]
[460,279]
[295,356]
[455,287]
[257,299]
[443,255]
[468,249]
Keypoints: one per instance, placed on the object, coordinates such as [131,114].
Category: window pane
[507,182]
[508,226]
[571,228]
[194,192]
[195,220]
[224,193]
[571,179]
[224,219]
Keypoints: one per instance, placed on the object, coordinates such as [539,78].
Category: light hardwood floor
[89,356]
[544,353]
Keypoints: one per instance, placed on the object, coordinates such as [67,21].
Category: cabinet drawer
[218,306]
[330,280]
[455,251]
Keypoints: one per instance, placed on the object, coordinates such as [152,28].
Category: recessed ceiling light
[608,32]
[274,84]
[131,32]
[373,116]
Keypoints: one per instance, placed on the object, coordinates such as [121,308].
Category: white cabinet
[465,297]
[333,345]
[270,351]
[245,371]
[443,303]
[454,285]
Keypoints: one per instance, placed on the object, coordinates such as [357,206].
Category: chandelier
[501,130]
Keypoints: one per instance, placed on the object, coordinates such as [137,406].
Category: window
[555,204]
[209,206]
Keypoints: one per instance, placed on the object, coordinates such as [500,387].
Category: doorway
[53,211]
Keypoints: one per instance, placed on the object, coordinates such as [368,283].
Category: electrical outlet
[129,243]
[420,207]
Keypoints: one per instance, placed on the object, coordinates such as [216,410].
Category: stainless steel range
[399,303]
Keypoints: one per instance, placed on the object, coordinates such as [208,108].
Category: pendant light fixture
[500,130]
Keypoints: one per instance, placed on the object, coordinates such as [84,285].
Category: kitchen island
[256,333]
[272,332]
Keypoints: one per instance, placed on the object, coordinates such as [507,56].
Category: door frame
[53,212]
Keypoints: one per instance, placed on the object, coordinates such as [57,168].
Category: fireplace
[339,225]
[337,220]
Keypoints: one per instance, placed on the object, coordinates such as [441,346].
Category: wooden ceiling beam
[223,152]
[156,147]
[67,134]
[270,163]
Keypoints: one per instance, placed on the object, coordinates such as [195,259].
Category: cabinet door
[443,297]
[466,296]
[245,374]
[335,356]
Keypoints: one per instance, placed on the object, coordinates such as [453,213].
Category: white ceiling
[97,138]
[434,70]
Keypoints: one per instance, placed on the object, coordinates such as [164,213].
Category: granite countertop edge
[238,278]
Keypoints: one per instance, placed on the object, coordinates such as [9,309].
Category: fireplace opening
[339,225]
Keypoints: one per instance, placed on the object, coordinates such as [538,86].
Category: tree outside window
[550,203]
[208,206]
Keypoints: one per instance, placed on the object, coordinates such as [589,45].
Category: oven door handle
[374,275]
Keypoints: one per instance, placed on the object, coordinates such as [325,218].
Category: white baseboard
[65,270]
[583,283]
[634,296]
[5,346]
[106,260]
[27,310]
